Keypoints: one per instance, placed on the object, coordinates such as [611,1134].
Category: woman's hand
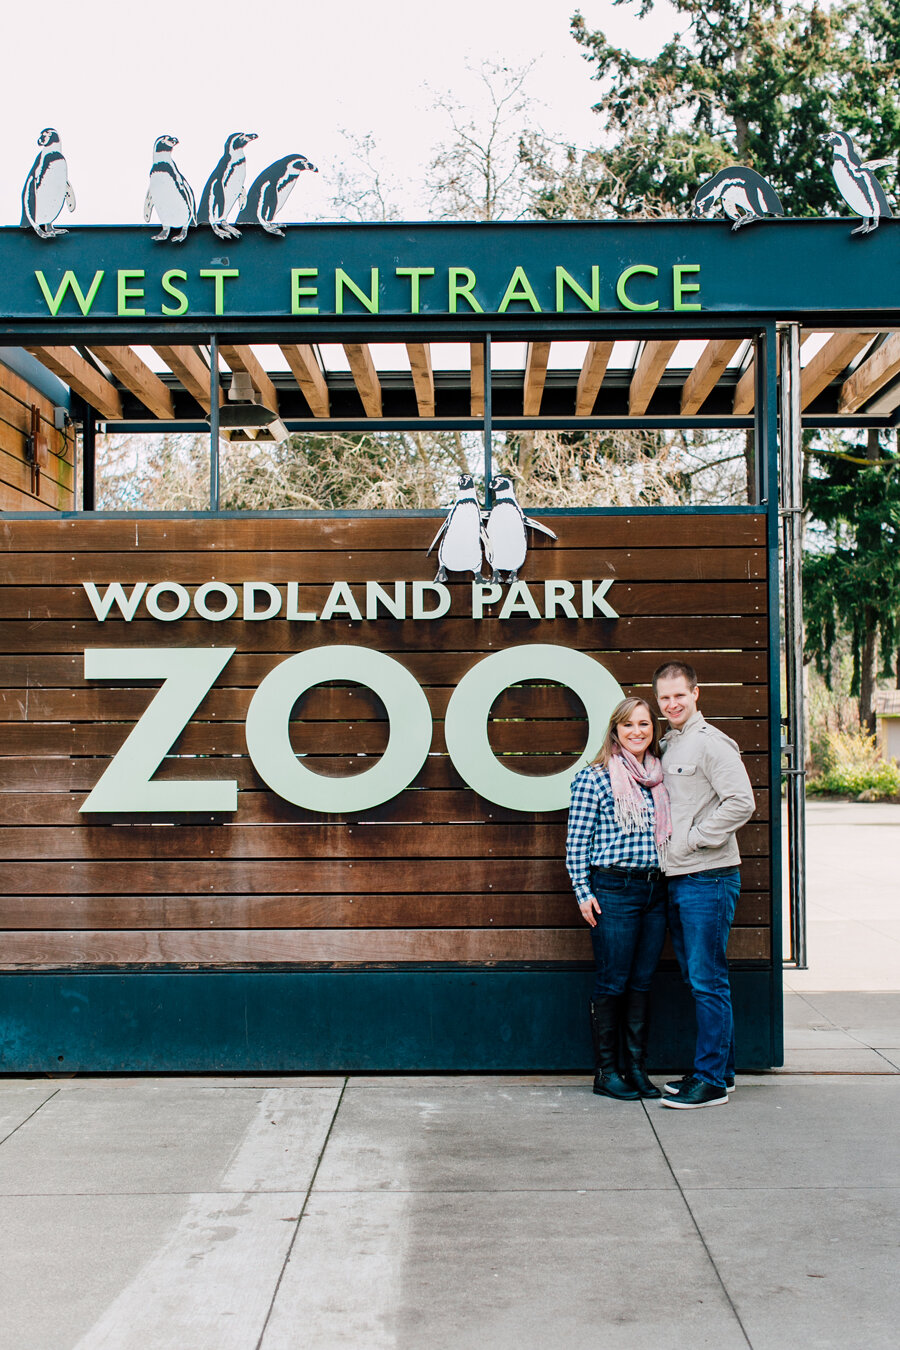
[588,909]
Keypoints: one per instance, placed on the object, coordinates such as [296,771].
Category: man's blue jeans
[630,930]
[701,912]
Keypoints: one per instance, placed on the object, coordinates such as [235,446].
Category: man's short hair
[670,670]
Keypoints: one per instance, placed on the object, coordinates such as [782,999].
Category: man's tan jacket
[711,797]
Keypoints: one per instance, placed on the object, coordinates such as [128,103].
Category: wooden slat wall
[436,874]
[55,491]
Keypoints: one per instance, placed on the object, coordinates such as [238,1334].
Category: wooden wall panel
[436,875]
[20,488]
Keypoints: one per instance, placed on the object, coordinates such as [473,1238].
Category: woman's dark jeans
[630,930]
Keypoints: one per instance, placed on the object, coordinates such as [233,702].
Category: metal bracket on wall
[36,449]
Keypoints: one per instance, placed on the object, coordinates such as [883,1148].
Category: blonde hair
[621,713]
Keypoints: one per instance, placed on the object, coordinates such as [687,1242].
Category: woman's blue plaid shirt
[596,839]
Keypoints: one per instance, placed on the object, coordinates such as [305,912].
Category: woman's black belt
[634,873]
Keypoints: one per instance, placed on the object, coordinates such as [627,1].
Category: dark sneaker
[676,1084]
[693,1093]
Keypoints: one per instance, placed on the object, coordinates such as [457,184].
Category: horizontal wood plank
[252,876]
[427,805]
[172,912]
[624,565]
[305,841]
[323,738]
[317,946]
[325,704]
[440,635]
[323,531]
[657,597]
[15,499]
[246,669]
[17,482]
[59,773]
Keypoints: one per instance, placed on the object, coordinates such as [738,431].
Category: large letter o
[268,736]
[465,724]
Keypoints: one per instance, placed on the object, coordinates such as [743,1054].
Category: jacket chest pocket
[684,779]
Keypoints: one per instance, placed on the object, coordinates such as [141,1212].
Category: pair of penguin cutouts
[501,533]
[47,190]
[743,195]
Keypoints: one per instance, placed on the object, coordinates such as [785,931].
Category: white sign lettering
[262,600]
[190,672]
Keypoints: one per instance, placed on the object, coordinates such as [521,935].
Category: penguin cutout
[225,186]
[270,192]
[169,193]
[856,181]
[47,188]
[742,194]
[507,531]
[461,534]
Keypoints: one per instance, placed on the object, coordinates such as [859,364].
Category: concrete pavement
[853,903]
[446,1212]
[455,1213]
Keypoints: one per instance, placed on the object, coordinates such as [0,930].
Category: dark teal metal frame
[437,1018]
[328,1021]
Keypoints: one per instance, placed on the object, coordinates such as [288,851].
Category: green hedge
[854,766]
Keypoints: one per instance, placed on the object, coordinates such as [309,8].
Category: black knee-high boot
[608,1082]
[634,1039]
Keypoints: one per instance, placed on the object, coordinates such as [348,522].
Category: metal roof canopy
[103,290]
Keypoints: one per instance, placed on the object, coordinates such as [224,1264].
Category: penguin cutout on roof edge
[169,193]
[856,181]
[47,188]
[506,533]
[739,193]
[225,186]
[270,192]
[461,534]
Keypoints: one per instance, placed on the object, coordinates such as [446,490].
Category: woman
[619,830]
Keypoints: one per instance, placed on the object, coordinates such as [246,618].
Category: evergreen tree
[852,582]
[748,81]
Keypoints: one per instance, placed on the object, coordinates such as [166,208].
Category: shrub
[853,765]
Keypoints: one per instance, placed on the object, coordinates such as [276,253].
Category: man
[711,799]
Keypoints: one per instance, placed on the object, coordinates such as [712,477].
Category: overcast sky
[111,75]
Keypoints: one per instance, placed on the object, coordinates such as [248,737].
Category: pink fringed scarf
[627,776]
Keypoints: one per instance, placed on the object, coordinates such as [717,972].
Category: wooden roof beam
[365,376]
[536,358]
[419,354]
[829,361]
[706,373]
[476,364]
[189,367]
[137,376]
[306,371]
[649,371]
[242,359]
[873,374]
[596,359]
[745,389]
[82,377]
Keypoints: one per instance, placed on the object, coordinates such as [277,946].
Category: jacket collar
[693,721]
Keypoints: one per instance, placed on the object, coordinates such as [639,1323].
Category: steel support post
[791,512]
[488,428]
[213,423]
[88,460]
